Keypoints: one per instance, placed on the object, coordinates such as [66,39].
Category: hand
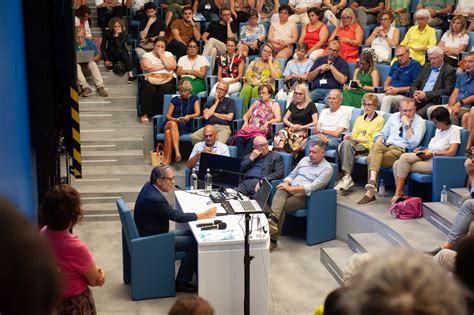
[419,96]
[284,186]
[323,138]
[270,58]
[187,118]
[265,126]
[347,137]
[208,150]
[428,154]
[455,109]
[151,20]
[334,10]
[257,187]
[324,67]
[405,120]
[469,165]
[245,125]
[101,279]
[380,140]
[390,90]
[296,127]
[108,63]
[255,154]
[432,12]
[210,213]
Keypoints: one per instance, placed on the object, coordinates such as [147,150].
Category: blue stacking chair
[352,67]
[148,262]
[471,41]
[439,33]
[403,31]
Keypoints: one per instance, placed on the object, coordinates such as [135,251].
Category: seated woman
[301,115]
[445,143]
[260,71]
[366,78]
[157,66]
[360,141]
[257,120]
[60,211]
[230,68]
[384,37]
[193,67]
[181,111]
[455,40]
[251,35]
[81,19]
[315,34]
[266,9]
[283,33]
[296,71]
[349,34]
[114,49]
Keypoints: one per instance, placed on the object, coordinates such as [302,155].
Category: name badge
[207,6]
[323,82]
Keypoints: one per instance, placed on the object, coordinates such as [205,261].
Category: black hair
[315,11]
[285,7]
[149,5]
[192,40]
[441,114]
[82,11]
[332,305]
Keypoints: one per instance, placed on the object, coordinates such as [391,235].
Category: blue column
[16,180]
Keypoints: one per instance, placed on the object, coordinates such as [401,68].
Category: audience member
[209,145]
[78,3]
[403,131]
[114,49]
[333,121]
[150,29]
[455,40]
[251,35]
[331,303]
[360,141]
[349,34]
[420,37]
[466,9]
[300,9]
[365,79]
[29,277]
[399,80]
[315,34]
[328,72]
[158,66]
[85,44]
[60,211]
[267,9]
[283,33]
[260,71]
[181,112]
[208,8]
[193,68]
[384,37]
[312,173]
[332,15]
[463,268]
[219,113]
[366,10]
[152,214]
[191,305]
[217,33]
[182,31]
[81,19]
[260,163]
[401,11]
[435,8]
[106,10]
[240,10]
[138,9]
[301,115]
[445,143]
[230,68]
[173,9]
[436,78]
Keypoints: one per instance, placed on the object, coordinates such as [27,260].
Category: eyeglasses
[182,90]
[421,18]
[333,50]
[298,93]
[168,178]
[221,89]
[368,104]
[346,17]
[260,146]
[401,55]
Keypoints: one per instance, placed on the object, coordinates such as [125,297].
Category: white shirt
[333,120]
[443,139]
[99,2]
[304,3]
[186,64]
[465,6]
[454,42]
[219,148]
[381,46]
[138,4]
[285,31]
[86,26]
[157,61]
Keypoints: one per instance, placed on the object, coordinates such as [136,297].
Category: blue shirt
[297,68]
[430,82]
[465,85]
[332,83]
[404,76]
[312,176]
[394,134]
[89,45]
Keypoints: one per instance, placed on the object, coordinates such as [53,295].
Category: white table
[221,258]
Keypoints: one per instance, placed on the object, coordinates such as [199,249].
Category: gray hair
[356,264]
[158,172]
[422,13]
[435,50]
[318,142]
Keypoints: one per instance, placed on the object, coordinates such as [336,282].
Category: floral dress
[230,67]
[260,114]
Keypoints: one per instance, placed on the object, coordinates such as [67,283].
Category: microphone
[219,170]
[220,226]
[189,192]
[208,223]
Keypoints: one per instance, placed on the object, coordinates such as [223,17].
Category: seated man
[400,77]
[436,7]
[152,214]
[209,145]
[150,28]
[333,121]
[366,10]
[220,112]
[328,72]
[85,44]
[436,78]
[403,131]
[312,173]
[217,33]
[173,9]
[261,162]
[182,31]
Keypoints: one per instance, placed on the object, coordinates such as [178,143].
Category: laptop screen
[264,193]
[221,168]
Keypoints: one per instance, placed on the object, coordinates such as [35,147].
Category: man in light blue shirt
[209,145]
[402,132]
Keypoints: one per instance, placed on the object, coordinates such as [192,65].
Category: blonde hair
[349,11]
[463,21]
[185,84]
[304,88]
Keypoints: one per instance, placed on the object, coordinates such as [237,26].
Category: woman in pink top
[315,34]
[60,211]
[350,34]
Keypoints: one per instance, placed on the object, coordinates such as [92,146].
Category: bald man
[209,145]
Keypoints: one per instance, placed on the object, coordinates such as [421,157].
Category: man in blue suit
[152,214]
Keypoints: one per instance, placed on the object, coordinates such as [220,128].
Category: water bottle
[382,188]
[208,182]
[444,195]
[194,180]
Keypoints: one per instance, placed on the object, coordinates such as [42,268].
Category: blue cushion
[421,178]
[331,153]
[361,160]
[298,213]
[179,255]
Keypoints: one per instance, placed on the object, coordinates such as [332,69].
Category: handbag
[147,44]
[407,208]
[158,78]
[156,156]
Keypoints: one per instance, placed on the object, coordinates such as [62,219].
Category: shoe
[371,185]
[347,183]
[144,119]
[86,92]
[395,199]
[131,79]
[366,200]
[273,227]
[186,287]
[434,252]
[102,92]
[273,245]
[339,184]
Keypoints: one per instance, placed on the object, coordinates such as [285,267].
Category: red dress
[348,52]
[312,38]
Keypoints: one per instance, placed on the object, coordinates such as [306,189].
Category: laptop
[222,168]
[250,206]
[84,56]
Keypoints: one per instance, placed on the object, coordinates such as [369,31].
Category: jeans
[184,241]
[319,95]
[461,221]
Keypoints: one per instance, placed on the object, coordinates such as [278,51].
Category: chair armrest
[311,131]
[237,124]
[276,127]
[158,124]
[279,83]
[378,89]
[187,181]
[444,99]
[147,244]
[449,171]
[321,216]
[211,80]
[198,123]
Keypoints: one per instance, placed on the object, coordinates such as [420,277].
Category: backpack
[407,208]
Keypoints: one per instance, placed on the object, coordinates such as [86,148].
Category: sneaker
[371,185]
[347,184]
[102,92]
[339,184]
[273,227]
[86,92]
[186,287]
[366,200]
[273,245]
[131,79]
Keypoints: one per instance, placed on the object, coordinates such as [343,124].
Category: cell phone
[353,84]
[420,153]
[336,37]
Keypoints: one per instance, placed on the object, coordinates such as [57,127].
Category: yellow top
[368,129]
[416,39]
[260,70]
[319,310]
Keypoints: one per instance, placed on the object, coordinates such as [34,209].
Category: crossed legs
[171,141]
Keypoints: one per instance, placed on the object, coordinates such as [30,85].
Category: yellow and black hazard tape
[76,134]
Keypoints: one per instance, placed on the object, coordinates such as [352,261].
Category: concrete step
[116,132]
[102,208]
[101,217]
[440,215]
[368,242]
[108,193]
[109,118]
[113,144]
[128,90]
[123,157]
[111,79]
[91,104]
[89,171]
[456,196]
[106,179]
[335,260]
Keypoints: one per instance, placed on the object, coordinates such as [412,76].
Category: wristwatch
[406,127]
[461,102]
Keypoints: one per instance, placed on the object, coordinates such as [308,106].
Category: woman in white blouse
[445,143]
[82,19]
[384,37]
[283,34]
[455,40]
[193,67]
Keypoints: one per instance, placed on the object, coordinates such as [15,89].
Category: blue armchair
[148,262]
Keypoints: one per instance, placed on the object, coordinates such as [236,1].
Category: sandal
[144,120]
[395,199]
[178,158]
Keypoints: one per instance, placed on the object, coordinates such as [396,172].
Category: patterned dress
[230,66]
[260,114]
